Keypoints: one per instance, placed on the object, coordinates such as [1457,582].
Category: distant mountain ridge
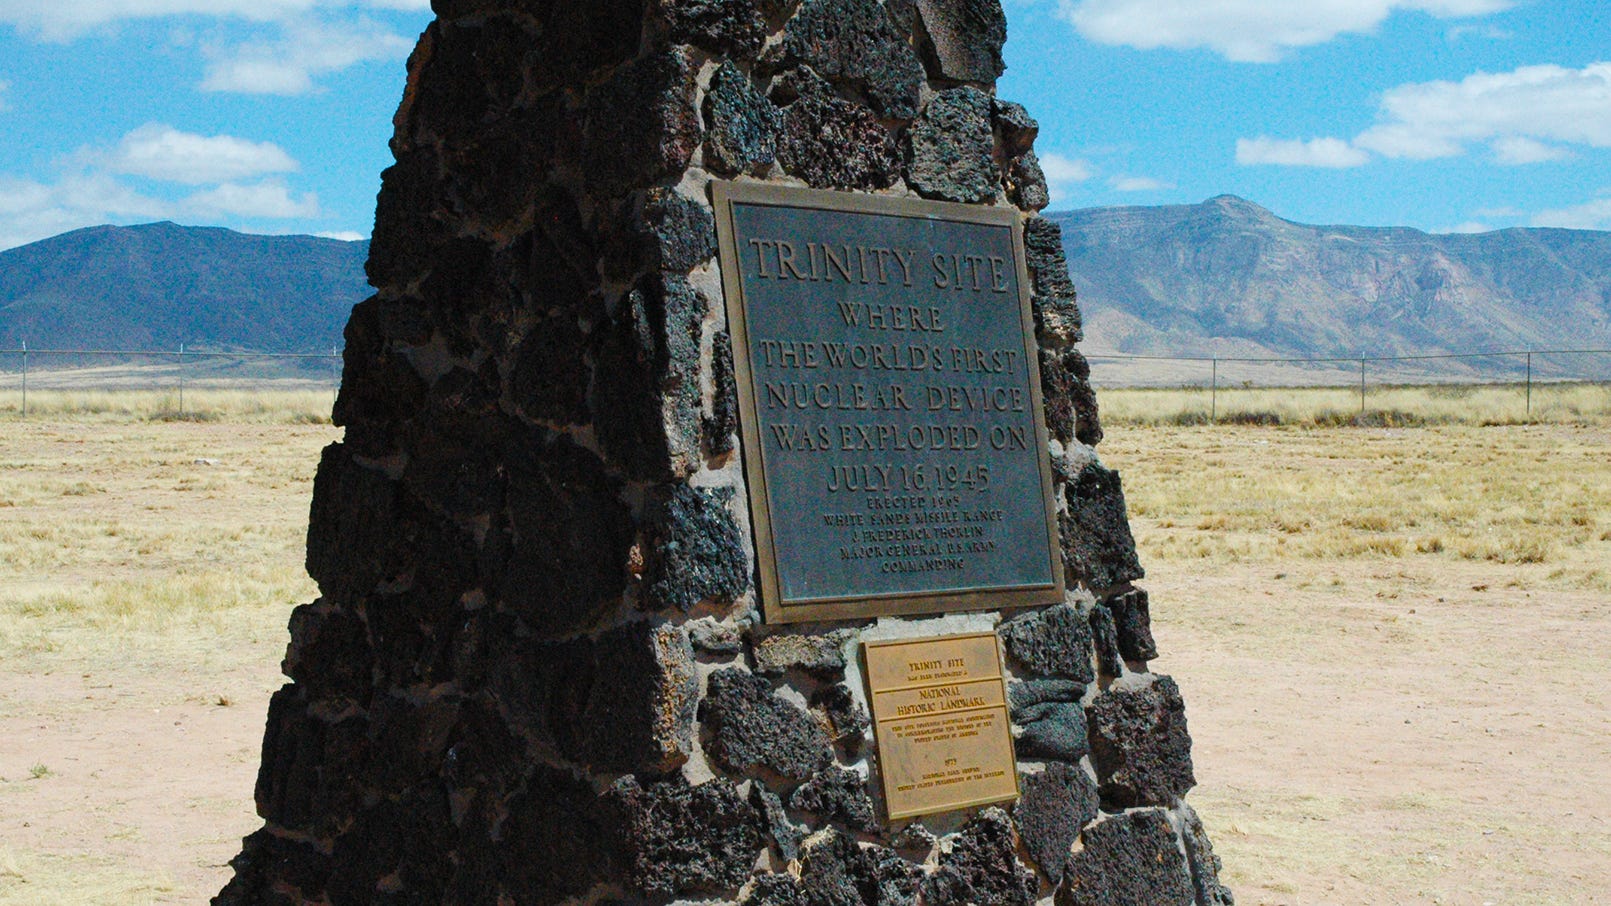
[1227,277]
[158,285]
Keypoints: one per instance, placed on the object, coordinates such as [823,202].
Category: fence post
[1213,398]
[1361,386]
[181,380]
[24,378]
[1529,384]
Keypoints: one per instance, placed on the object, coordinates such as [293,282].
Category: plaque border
[725,194]
[1006,710]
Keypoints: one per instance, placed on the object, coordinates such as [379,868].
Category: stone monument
[644,579]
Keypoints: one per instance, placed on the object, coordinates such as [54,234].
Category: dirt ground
[1369,728]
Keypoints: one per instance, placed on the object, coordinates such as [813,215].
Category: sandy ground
[1371,731]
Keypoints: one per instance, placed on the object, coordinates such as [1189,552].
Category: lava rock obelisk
[538,672]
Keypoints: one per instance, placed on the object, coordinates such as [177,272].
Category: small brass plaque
[889,385]
[941,722]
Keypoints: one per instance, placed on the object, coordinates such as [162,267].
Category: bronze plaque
[940,719]
[889,388]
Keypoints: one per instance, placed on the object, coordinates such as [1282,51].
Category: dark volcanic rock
[752,728]
[715,639]
[582,40]
[1057,321]
[1128,860]
[721,425]
[647,354]
[740,124]
[1018,129]
[329,654]
[1087,420]
[846,719]
[724,26]
[1055,804]
[1054,730]
[642,125]
[550,376]
[1055,642]
[949,148]
[982,867]
[839,796]
[1026,183]
[695,551]
[853,43]
[965,38]
[353,541]
[1132,614]
[775,822]
[836,872]
[832,143]
[1098,546]
[1043,251]
[678,838]
[559,839]
[1205,866]
[680,232]
[1028,693]
[310,774]
[570,535]
[1108,662]
[774,890]
[1140,746]
[271,869]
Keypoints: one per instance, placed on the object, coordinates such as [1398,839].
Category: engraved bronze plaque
[941,723]
[889,387]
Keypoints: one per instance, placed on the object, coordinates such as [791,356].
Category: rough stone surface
[753,728]
[965,38]
[678,838]
[1098,547]
[741,125]
[698,554]
[774,890]
[1132,859]
[642,125]
[1055,642]
[1205,865]
[949,148]
[853,43]
[1057,320]
[721,425]
[838,796]
[1043,252]
[1052,730]
[1026,183]
[679,232]
[820,654]
[845,718]
[1106,636]
[1054,805]
[559,839]
[723,26]
[982,867]
[1140,746]
[651,344]
[785,835]
[836,872]
[1132,614]
[1029,693]
[1018,129]
[832,143]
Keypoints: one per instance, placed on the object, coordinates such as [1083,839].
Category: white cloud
[1517,111]
[270,199]
[1518,149]
[1591,215]
[1470,226]
[343,235]
[289,64]
[1333,153]
[61,20]
[1138,184]
[161,152]
[30,210]
[1062,173]
[1251,31]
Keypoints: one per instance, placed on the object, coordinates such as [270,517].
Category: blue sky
[272,115]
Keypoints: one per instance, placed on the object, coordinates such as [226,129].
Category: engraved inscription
[942,745]
[893,393]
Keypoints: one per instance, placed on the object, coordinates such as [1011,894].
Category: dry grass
[196,404]
[1408,406]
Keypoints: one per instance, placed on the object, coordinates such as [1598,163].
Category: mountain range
[160,285]
[1224,277]
[1229,278]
